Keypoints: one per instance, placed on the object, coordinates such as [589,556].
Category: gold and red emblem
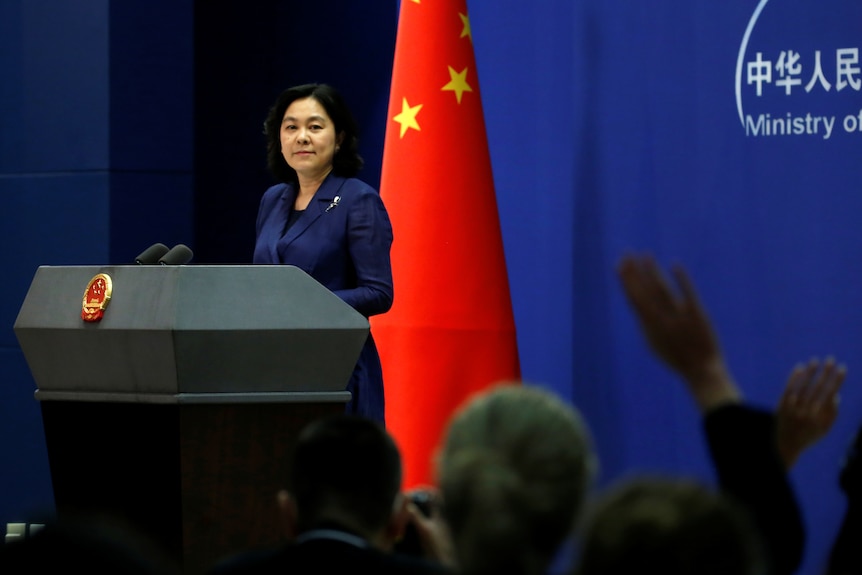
[96,297]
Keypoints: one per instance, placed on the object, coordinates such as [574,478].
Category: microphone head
[178,255]
[152,254]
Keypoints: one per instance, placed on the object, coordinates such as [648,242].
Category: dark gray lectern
[176,409]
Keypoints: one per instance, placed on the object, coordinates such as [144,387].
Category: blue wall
[612,126]
[126,123]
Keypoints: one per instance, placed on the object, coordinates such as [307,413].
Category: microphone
[152,254]
[178,255]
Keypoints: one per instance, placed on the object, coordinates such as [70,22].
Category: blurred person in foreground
[513,470]
[668,525]
[343,509]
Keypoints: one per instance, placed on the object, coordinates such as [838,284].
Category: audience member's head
[513,472]
[668,526]
[346,470]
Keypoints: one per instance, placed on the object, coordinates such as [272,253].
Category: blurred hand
[678,329]
[287,517]
[808,407]
[433,532]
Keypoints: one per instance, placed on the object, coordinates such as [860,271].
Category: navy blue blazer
[342,240]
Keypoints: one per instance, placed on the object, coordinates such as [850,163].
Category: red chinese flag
[451,330]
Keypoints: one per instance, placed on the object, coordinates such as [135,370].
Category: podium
[177,409]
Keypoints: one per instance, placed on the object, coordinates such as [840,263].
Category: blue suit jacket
[342,240]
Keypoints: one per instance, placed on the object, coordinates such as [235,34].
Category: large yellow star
[458,83]
[407,117]
[466,30]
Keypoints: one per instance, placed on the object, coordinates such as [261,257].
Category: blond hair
[513,471]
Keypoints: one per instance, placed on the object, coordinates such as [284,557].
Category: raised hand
[808,407]
[678,329]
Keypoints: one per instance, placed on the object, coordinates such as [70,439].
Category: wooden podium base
[199,479]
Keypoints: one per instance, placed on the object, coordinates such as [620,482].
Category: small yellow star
[407,117]
[458,83]
[466,30]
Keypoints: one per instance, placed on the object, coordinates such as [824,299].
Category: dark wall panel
[149,207]
[244,57]
[151,71]
[50,219]
[54,91]
[25,484]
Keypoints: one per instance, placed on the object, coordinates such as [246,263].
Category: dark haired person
[343,508]
[320,218]
[668,525]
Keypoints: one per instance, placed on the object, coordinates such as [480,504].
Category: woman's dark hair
[347,161]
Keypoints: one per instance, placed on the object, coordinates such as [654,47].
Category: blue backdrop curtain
[616,126]
[613,126]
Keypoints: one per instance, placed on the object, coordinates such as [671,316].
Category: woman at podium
[320,218]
